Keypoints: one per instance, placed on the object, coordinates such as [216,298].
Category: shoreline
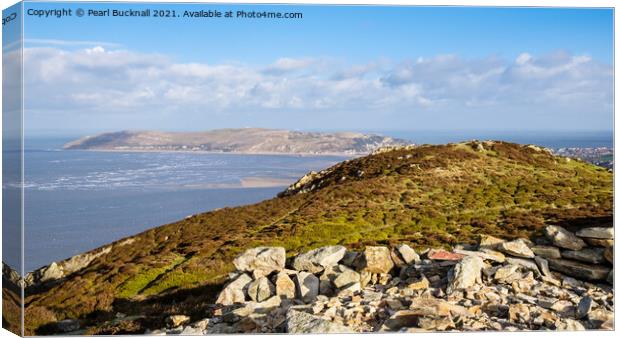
[203,152]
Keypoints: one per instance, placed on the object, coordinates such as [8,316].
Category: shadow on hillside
[150,313]
[574,224]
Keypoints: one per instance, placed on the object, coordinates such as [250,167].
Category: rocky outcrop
[328,290]
[57,270]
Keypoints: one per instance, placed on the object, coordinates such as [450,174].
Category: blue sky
[425,67]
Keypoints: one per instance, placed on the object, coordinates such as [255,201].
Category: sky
[337,68]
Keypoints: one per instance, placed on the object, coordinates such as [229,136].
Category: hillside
[247,141]
[427,196]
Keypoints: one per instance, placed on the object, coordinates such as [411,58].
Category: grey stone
[67,325]
[584,307]
[235,291]
[261,289]
[597,232]
[261,261]
[307,286]
[407,254]
[300,322]
[579,270]
[465,273]
[516,248]
[563,238]
[317,260]
[588,255]
[547,251]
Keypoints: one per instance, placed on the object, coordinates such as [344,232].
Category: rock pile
[561,282]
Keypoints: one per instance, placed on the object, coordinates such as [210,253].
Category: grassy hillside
[426,196]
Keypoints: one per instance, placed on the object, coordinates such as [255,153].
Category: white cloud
[88,85]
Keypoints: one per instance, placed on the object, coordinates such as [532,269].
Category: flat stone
[376,259]
[442,255]
[489,242]
[307,286]
[261,261]
[596,232]
[579,270]
[317,260]
[588,255]
[605,243]
[546,251]
[516,248]
[485,254]
[298,322]
[563,238]
[235,291]
[466,273]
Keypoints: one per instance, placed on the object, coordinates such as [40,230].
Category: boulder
[408,255]
[261,289]
[588,255]
[376,259]
[465,273]
[563,238]
[261,261]
[235,291]
[307,286]
[579,270]
[298,322]
[596,232]
[516,248]
[176,320]
[317,260]
[284,285]
[546,251]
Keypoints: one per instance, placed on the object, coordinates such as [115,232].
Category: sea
[76,201]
